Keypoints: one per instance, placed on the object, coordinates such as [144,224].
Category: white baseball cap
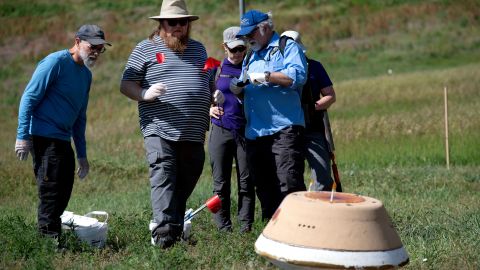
[230,39]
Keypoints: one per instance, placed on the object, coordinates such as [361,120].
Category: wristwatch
[267,76]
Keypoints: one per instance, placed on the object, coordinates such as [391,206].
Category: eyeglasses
[237,49]
[95,48]
[173,23]
[252,33]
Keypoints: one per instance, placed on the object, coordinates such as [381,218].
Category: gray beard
[87,61]
[255,46]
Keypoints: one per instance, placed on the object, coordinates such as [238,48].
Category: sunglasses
[98,48]
[173,23]
[95,48]
[237,49]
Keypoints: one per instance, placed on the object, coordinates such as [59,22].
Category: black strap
[248,56]
[219,70]
[281,47]
[282,43]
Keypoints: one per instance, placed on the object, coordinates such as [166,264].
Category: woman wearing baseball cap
[227,142]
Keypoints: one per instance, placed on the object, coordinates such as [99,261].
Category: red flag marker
[160,57]
[211,63]
[213,204]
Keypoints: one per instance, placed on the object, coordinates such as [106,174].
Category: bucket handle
[98,213]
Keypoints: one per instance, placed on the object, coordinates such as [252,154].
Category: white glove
[22,147]
[83,168]
[218,97]
[233,86]
[257,77]
[155,90]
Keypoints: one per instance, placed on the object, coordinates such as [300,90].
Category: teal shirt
[269,107]
[54,103]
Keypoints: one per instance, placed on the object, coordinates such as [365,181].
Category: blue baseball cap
[250,20]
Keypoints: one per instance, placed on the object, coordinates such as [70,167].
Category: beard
[176,44]
[87,61]
[255,46]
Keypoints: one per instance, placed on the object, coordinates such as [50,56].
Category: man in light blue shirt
[52,112]
[275,121]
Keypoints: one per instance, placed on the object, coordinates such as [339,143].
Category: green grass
[388,129]
[435,211]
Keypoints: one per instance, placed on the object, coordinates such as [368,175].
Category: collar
[274,41]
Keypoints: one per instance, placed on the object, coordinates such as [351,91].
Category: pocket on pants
[153,157]
[48,169]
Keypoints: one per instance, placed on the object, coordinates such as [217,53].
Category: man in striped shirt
[165,74]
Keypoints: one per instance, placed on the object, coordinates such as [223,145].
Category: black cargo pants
[54,168]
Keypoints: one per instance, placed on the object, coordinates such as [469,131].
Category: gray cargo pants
[175,167]
[223,148]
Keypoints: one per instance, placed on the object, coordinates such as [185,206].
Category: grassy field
[388,129]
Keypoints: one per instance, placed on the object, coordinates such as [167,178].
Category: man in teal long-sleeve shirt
[52,111]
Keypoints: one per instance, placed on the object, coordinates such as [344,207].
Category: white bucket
[87,228]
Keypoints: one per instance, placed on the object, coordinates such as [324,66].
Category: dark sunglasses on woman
[237,49]
[173,23]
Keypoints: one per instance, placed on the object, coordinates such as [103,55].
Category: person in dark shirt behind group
[316,144]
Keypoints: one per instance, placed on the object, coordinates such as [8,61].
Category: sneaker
[163,242]
[161,237]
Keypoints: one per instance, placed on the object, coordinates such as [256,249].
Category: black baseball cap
[92,33]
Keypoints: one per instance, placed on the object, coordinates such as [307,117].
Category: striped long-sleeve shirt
[181,114]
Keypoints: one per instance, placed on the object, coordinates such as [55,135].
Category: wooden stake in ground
[447,153]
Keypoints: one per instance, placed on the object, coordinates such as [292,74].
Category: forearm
[79,128]
[131,89]
[32,96]
[24,116]
[327,99]
[281,79]
[80,146]
[324,103]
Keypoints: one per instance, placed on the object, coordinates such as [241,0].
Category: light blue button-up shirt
[270,107]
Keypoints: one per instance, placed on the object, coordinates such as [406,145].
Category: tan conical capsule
[309,230]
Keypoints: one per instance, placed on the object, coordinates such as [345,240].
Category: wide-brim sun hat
[174,9]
